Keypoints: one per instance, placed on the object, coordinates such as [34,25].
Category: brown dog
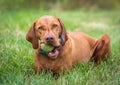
[69,48]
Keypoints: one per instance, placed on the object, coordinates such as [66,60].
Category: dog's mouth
[51,54]
[54,53]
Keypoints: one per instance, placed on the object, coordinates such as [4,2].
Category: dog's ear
[63,34]
[31,37]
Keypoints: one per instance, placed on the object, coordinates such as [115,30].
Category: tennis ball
[46,47]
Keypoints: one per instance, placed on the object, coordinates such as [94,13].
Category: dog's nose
[49,38]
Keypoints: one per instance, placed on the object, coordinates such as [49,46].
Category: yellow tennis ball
[46,47]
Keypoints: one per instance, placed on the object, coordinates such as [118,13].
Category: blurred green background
[59,4]
[93,17]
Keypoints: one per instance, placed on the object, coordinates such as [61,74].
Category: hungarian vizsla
[69,48]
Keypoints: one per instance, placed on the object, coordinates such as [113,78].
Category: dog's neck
[60,40]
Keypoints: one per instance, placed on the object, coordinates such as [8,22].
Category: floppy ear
[31,37]
[63,34]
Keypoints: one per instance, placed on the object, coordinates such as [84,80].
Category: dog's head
[47,29]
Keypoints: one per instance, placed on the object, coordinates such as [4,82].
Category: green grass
[17,55]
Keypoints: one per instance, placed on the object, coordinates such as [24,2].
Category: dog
[69,48]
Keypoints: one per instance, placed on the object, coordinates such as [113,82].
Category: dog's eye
[55,26]
[41,28]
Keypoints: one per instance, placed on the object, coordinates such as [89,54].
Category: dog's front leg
[37,66]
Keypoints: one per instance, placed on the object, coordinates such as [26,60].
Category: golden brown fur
[76,47]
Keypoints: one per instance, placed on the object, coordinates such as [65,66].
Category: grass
[17,56]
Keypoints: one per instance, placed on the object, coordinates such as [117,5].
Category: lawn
[17,55]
